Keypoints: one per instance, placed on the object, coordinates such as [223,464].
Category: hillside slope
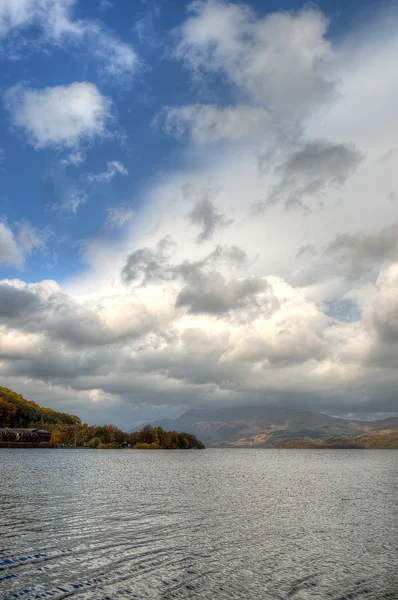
[268,426]
[15,411]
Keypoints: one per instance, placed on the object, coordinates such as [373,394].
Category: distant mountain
[261,427]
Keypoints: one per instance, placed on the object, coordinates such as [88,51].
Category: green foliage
[109,436]
[68,430]
[144,446]
[15,411]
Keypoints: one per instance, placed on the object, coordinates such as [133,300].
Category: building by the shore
[24,436]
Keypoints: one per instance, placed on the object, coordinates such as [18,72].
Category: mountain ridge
[269,426]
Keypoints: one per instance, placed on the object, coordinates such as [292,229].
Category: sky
[199,206]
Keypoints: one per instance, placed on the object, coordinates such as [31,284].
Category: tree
[7,413]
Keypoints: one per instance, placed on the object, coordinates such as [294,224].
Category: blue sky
[144,150]
[209,179]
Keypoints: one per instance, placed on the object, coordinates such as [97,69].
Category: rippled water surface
[252,524]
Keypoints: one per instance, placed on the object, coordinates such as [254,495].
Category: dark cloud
[205,289]
[17,303]
[310,169]
[153,265]
[360,250]
[213,294]
[56,366]
[36,310]
[208,218]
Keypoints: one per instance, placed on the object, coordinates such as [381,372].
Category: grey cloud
[208,123]
[16,303]
[213,294]
[361,249]
[54,366]
[258,208]
[208,218]
[388,155]
[151,265]
[60,318]
[229,255]
[205,290]
[309,170]
[308,250]
[384,309]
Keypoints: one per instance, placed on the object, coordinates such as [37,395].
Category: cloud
[71,199]
[106,5]
[44,308]
[70,193]
[61,116]
[309,170]
[10,254]
[208,123]
[16,302]
[203,290]
[308,250]
[54,17]
[146,265]
[276,61]
[214,295]
[364,249]
[30,238]
[208,218]
[113,168]
[75,158]
[118,216]
[267,310]
[384,309]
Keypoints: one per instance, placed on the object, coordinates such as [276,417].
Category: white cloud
[113,168]
[276,60]
[55,19]
[61,116]
[106,5]
[74,158]
[30,238]
[278,64]
[72,199]
[207,123]
[117,216]
[10,254]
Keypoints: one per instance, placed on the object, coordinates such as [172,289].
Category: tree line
[109,436]
[68,430]
[15,411]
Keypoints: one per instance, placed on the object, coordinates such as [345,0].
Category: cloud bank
[264,269]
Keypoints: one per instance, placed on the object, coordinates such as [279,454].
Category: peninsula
[23,423]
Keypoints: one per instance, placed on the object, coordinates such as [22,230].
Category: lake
[214,524]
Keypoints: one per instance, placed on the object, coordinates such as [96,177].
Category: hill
[375,441]
[67,430]
[262,427]
[15,411]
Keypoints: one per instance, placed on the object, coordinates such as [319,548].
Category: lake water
[214,524]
